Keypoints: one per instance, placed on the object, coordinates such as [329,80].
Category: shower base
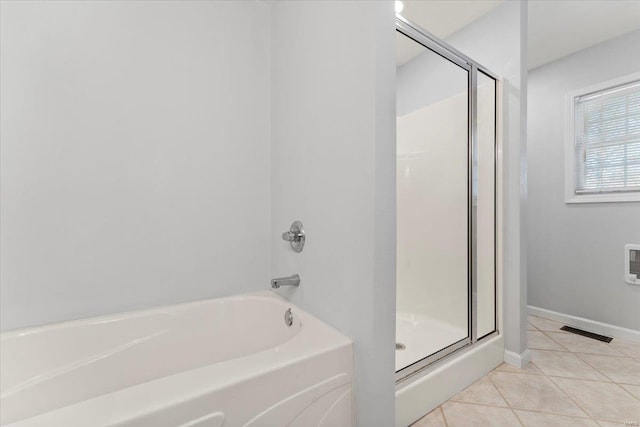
[422,336]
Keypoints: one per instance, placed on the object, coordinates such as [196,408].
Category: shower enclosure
[446,200]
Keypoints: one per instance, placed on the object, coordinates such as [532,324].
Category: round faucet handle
[290,236]
[295,236]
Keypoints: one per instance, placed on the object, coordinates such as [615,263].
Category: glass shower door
[433,220]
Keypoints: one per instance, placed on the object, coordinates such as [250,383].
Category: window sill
[602,198]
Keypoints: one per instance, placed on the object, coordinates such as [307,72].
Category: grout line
[607,376]
[567,394]
[588,417]
[570,397]
[583,379]
[498,390]
[627,391]
[486,406]
[523,372]
[505,400]
[595,368]
[516,415]
[580,378]
[586,353]
[600,354]
[606,380]
[632,395]
[618,353]
[581,352]
[481,404]
[551,338]
[562,391]
[444,417]
[612,381]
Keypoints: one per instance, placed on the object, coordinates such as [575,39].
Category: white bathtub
[222,362]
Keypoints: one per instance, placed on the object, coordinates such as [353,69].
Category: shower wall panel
[432,212]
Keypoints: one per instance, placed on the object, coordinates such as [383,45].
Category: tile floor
[572,381]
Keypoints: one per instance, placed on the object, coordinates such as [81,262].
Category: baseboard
[520,361]
[587,324]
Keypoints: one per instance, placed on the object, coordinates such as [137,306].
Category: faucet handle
[290,236]
[295,236]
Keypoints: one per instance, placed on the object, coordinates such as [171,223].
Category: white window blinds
[607,140]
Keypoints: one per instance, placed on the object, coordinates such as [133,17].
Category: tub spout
[286,281]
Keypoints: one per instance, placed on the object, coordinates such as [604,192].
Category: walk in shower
[446,200]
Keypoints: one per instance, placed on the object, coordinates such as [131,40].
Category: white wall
[135,155]
[498,41]
[333,168]
[576,253]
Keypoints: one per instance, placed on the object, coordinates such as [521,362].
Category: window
[602,153]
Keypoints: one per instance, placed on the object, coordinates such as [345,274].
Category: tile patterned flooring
[572,381]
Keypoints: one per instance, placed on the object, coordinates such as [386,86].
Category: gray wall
[333,168]
[576,251]
[135,155]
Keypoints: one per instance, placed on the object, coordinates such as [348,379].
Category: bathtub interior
[52,366]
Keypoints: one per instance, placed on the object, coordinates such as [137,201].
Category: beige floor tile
[545,324]
[628,348]
[537,419]
[603,401]
[564,364]
[580,344]
[529,369]
[482,392]
[540,341]
[573,381]
[623,370]
[459,414]
[534,392]
[633,389]
[432,419]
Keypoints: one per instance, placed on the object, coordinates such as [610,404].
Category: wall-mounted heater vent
[632,264]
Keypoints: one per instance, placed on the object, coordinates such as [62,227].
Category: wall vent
[632,264]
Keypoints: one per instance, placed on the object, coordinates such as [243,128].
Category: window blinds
[607,140]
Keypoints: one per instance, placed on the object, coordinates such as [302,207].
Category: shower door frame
[429,41]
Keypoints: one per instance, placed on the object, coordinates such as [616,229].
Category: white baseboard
[520,361]
[586,324]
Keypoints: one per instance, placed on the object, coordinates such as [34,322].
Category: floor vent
[586,334]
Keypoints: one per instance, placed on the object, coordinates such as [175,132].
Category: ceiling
[556,28]
[441,18]
[444,17]
[561,27]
